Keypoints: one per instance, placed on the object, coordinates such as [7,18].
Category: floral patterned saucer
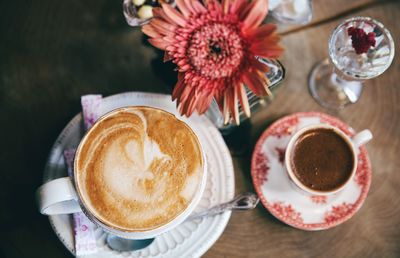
[279,195]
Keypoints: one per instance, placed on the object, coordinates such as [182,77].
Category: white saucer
[190,239]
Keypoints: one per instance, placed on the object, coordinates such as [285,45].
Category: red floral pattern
[285,128]
[287,212]
[281,154]
[261,168]
[319,199]
[339,212]
[362,177]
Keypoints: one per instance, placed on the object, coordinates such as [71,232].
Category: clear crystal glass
[130,12]
[291,11]
[337,82]
[275,75]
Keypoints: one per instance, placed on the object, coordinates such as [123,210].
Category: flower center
[215,50]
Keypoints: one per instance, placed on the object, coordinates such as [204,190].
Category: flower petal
[158,12]
[169,40]
[266,41]
[174,15]
[159,43]
[181,101]
[273,51]
[261,32]
[182,7]
[244,10]
[185,67]
[237,6]
[198,7]
[214,6]
[193,103]
[225,6]
[241,92]
[266,86]
[186,92]
[255,83]
[219,98]
[187,102]
[266,83]
[150,31]
[163,27]
[225,112]
[205,101]
[190,7]
[179,87]
[234,109]
[257,13]
[257,65]
[167,57]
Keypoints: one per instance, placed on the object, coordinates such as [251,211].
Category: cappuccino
[138,168]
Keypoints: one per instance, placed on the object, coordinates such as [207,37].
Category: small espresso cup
[64,196]
[353,143]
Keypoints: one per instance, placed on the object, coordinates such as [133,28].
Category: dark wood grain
[52,52]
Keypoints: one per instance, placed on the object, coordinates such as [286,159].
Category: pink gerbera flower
[215,46]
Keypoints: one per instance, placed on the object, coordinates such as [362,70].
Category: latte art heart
[139,168]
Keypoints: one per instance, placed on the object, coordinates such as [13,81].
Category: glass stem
[338,82]
[352,89]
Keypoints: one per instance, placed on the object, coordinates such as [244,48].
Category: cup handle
[58,197]
[361,138]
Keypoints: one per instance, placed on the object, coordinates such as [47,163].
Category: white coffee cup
[59,196]
[354,143]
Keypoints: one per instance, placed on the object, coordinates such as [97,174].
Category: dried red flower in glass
[360,40]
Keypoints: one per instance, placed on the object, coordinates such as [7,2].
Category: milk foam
[190,187]
[139,168]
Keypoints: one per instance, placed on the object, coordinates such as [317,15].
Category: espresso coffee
[322,160]
[138,168]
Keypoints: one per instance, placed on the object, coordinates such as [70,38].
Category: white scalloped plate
[190,239]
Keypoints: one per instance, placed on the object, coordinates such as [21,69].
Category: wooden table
[52,52]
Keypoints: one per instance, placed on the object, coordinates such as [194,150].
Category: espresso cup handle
[58,197]
[361,138]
